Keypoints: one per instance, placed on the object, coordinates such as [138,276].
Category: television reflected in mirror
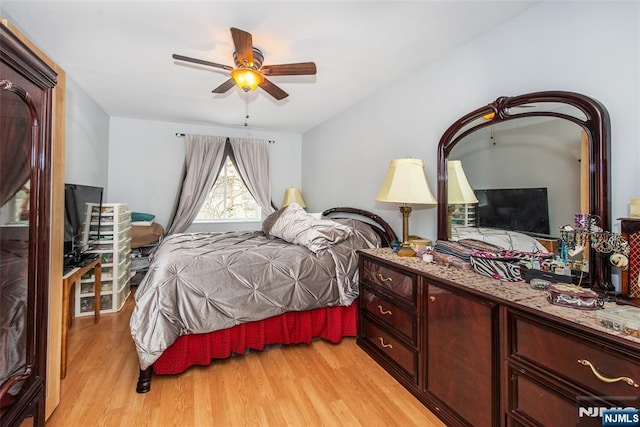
[77,239]
[518,209]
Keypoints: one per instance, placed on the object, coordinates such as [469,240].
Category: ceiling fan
[249,72]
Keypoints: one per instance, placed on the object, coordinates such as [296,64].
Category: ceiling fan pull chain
[246,108]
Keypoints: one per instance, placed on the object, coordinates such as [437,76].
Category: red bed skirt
[331,324]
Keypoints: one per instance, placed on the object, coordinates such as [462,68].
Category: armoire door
[25,148]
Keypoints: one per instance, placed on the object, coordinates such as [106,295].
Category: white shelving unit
[464,215]
[113,222]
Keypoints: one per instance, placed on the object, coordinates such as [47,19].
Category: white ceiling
[119,52]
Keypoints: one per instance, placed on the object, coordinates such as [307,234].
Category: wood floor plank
[321,384]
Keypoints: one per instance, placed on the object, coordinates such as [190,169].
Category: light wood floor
[305,385]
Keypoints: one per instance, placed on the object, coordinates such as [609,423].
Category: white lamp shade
[458,189]
[292,194]
[406,183]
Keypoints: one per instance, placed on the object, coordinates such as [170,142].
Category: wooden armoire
[26,85]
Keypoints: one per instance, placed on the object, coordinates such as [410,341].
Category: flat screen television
[518,209]
[76,200]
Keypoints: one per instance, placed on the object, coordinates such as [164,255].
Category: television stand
[78,261]
[68,282]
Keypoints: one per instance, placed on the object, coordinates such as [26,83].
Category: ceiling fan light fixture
[247,79]
[249,72]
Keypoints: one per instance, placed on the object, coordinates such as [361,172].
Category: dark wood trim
[382,228]
[596,124]
[31,70]
[18,56]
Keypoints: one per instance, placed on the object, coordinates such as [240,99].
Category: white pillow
[295,226]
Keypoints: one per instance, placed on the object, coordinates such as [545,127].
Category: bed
[14,246]
[209,296]
[510,240]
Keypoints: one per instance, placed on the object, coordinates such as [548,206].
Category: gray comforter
[203,282]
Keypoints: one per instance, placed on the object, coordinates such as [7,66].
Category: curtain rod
[271,141]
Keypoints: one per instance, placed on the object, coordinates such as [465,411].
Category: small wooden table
[68,282]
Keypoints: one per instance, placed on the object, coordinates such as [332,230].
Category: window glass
[229,199]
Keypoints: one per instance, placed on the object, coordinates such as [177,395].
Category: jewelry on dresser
[619,260]
[588,233]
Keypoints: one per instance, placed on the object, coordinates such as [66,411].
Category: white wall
[87,139]
[87,133]
[587,47]
[146,160]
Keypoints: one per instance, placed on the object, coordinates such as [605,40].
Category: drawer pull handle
[604,379]
[384,279]
[432,299]
[383,311]
[385,345]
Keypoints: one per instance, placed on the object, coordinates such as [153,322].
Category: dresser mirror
[555,141]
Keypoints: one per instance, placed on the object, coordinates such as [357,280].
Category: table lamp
[292,194]
[406,183]
[459,192]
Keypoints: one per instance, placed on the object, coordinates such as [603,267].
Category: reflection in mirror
[528,153]
[16,210]
[555,141]
[16,133]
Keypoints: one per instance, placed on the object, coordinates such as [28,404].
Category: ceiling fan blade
[224,86]
[273,90]
[201,62]
[297,69]
[244,46]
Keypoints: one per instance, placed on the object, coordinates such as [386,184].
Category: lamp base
[406,250]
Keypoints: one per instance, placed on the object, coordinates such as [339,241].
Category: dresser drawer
[604,372]
[395,281]
[400,320]
[533,402]
[399,354]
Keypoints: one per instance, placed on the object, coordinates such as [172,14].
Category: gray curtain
[252,160]
[203,162]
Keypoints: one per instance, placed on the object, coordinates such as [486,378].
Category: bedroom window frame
[224,175]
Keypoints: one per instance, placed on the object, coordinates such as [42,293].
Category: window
[229,199]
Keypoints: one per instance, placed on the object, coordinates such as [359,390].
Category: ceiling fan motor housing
[257,60]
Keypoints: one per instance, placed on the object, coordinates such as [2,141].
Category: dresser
[477,351]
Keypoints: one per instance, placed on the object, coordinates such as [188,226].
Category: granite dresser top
[516,293]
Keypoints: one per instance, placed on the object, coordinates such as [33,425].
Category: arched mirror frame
[595,123]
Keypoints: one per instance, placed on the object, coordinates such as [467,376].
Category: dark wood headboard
[379,225]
